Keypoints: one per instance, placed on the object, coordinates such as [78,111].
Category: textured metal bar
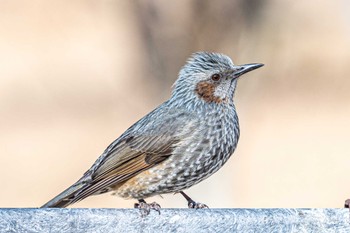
[175,220]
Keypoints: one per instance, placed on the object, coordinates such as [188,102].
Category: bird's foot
[192,204]
[196,205]
[347,203]
[145,208]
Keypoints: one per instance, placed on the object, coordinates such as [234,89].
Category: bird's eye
[215,77]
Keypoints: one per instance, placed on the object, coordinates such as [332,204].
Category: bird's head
[210,77]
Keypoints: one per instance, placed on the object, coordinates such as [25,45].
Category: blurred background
[75,74]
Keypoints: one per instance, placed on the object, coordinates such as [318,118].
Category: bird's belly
[173,175]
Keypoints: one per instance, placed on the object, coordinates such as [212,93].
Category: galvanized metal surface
[175,220]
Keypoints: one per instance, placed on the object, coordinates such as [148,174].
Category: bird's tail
[65,198]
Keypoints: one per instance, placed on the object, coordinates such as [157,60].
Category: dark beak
[242,69]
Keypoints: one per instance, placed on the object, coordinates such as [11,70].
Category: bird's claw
[191,203]
[197,205]
[145,208]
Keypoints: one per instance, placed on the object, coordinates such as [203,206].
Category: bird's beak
[242,69]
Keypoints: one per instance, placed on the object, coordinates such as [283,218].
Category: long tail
[65,198]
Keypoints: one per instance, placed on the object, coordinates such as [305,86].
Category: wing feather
[144,145]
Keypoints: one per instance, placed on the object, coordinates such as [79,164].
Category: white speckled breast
[193,160]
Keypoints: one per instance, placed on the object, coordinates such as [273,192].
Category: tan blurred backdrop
[75,74]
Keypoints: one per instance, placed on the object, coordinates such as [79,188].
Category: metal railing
[174,220]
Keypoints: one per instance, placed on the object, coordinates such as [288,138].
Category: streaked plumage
[183,141]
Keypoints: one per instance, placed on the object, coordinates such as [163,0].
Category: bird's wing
[144,145]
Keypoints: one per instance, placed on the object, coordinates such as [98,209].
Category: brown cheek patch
[206,91]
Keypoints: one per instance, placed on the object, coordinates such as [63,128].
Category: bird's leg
[146,208]
[192,204]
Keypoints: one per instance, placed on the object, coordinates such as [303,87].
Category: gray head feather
[199,68]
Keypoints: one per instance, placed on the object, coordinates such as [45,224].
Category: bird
[180,143]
